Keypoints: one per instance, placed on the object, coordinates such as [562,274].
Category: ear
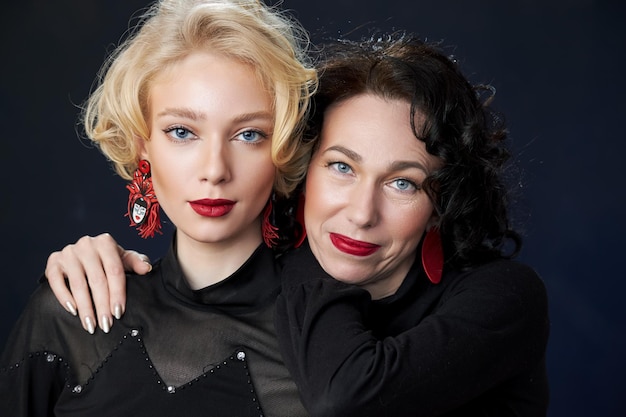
[140,145]
[433,221]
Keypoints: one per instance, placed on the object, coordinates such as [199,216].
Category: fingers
[92,266]
[115,261]
[56,279]
[130,261]
[67,264]
[135,261]
[101,262]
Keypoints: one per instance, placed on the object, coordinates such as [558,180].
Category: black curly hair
[468,192]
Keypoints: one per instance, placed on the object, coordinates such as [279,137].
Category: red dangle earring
[432,255]
[143,207]
[300,220]
[269,229]
[270,232]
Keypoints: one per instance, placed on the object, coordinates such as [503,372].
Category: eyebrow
[185,112]
[194,115]
[394,166]
[246,117]
[347,152]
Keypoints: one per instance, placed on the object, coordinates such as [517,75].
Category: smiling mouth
[212,208]
[351,246]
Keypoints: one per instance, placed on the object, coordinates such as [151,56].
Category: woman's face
[365,211]
[209,149]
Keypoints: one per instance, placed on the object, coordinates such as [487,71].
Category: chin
[348,276]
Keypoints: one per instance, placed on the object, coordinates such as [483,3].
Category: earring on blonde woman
[143,206]
[270,232]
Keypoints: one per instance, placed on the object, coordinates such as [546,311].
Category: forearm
[474,341]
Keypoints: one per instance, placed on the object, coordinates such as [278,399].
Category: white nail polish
[89,324]
[118,311]
[105,324]
[70,308]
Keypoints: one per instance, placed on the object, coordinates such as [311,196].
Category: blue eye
[179,133]
[402,184]
[251,136]
[341,167]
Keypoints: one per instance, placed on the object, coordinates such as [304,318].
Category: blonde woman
[203,107]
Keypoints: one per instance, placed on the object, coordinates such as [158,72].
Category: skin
[210,121]
[365,211]
[361,192]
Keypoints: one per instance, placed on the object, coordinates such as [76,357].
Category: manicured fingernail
[89,324]
[149,265]
[117,311]
[104,324]
[70,308]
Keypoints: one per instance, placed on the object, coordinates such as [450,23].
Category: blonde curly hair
[263,37]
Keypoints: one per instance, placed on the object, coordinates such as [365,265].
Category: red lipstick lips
[212,208]
[351,246]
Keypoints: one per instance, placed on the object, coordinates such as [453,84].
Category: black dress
[175,352]
[472,345]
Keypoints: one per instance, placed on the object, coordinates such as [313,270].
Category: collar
[254,285]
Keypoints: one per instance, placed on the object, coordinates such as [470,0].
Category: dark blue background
[557,65]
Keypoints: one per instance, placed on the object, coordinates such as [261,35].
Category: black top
[472,345]
[175,352]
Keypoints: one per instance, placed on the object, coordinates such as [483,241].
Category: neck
[207,263]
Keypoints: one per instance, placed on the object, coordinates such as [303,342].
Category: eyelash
[171,129]
[262,135]
[188,131]
[334,165]
[415,186]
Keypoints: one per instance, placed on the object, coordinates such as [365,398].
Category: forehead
[376,133]
[210,81]
[367,120]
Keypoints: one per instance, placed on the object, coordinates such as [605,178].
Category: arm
[481,332]
[94,267]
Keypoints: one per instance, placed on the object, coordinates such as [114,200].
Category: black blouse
[175,352]
[472,345]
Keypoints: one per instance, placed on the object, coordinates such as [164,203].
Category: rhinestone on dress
[77,389]
[134,332]
[241,356]
[171,389]
[50,357]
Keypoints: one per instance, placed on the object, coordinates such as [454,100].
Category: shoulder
[39,326]
[300,257]
[43,302]
[505,276]
[299,266]
[151,280]
[500,293]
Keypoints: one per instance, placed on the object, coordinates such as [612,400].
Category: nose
[216,162]
[363,205]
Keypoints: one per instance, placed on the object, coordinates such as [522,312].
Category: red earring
[270,232]
[143,207]
[300,220]
[432,255]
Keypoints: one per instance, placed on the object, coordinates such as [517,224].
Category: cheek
[164,180]
[410,224]
[261,173]
[314,198]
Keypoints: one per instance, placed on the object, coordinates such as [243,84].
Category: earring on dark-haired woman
[432,255]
